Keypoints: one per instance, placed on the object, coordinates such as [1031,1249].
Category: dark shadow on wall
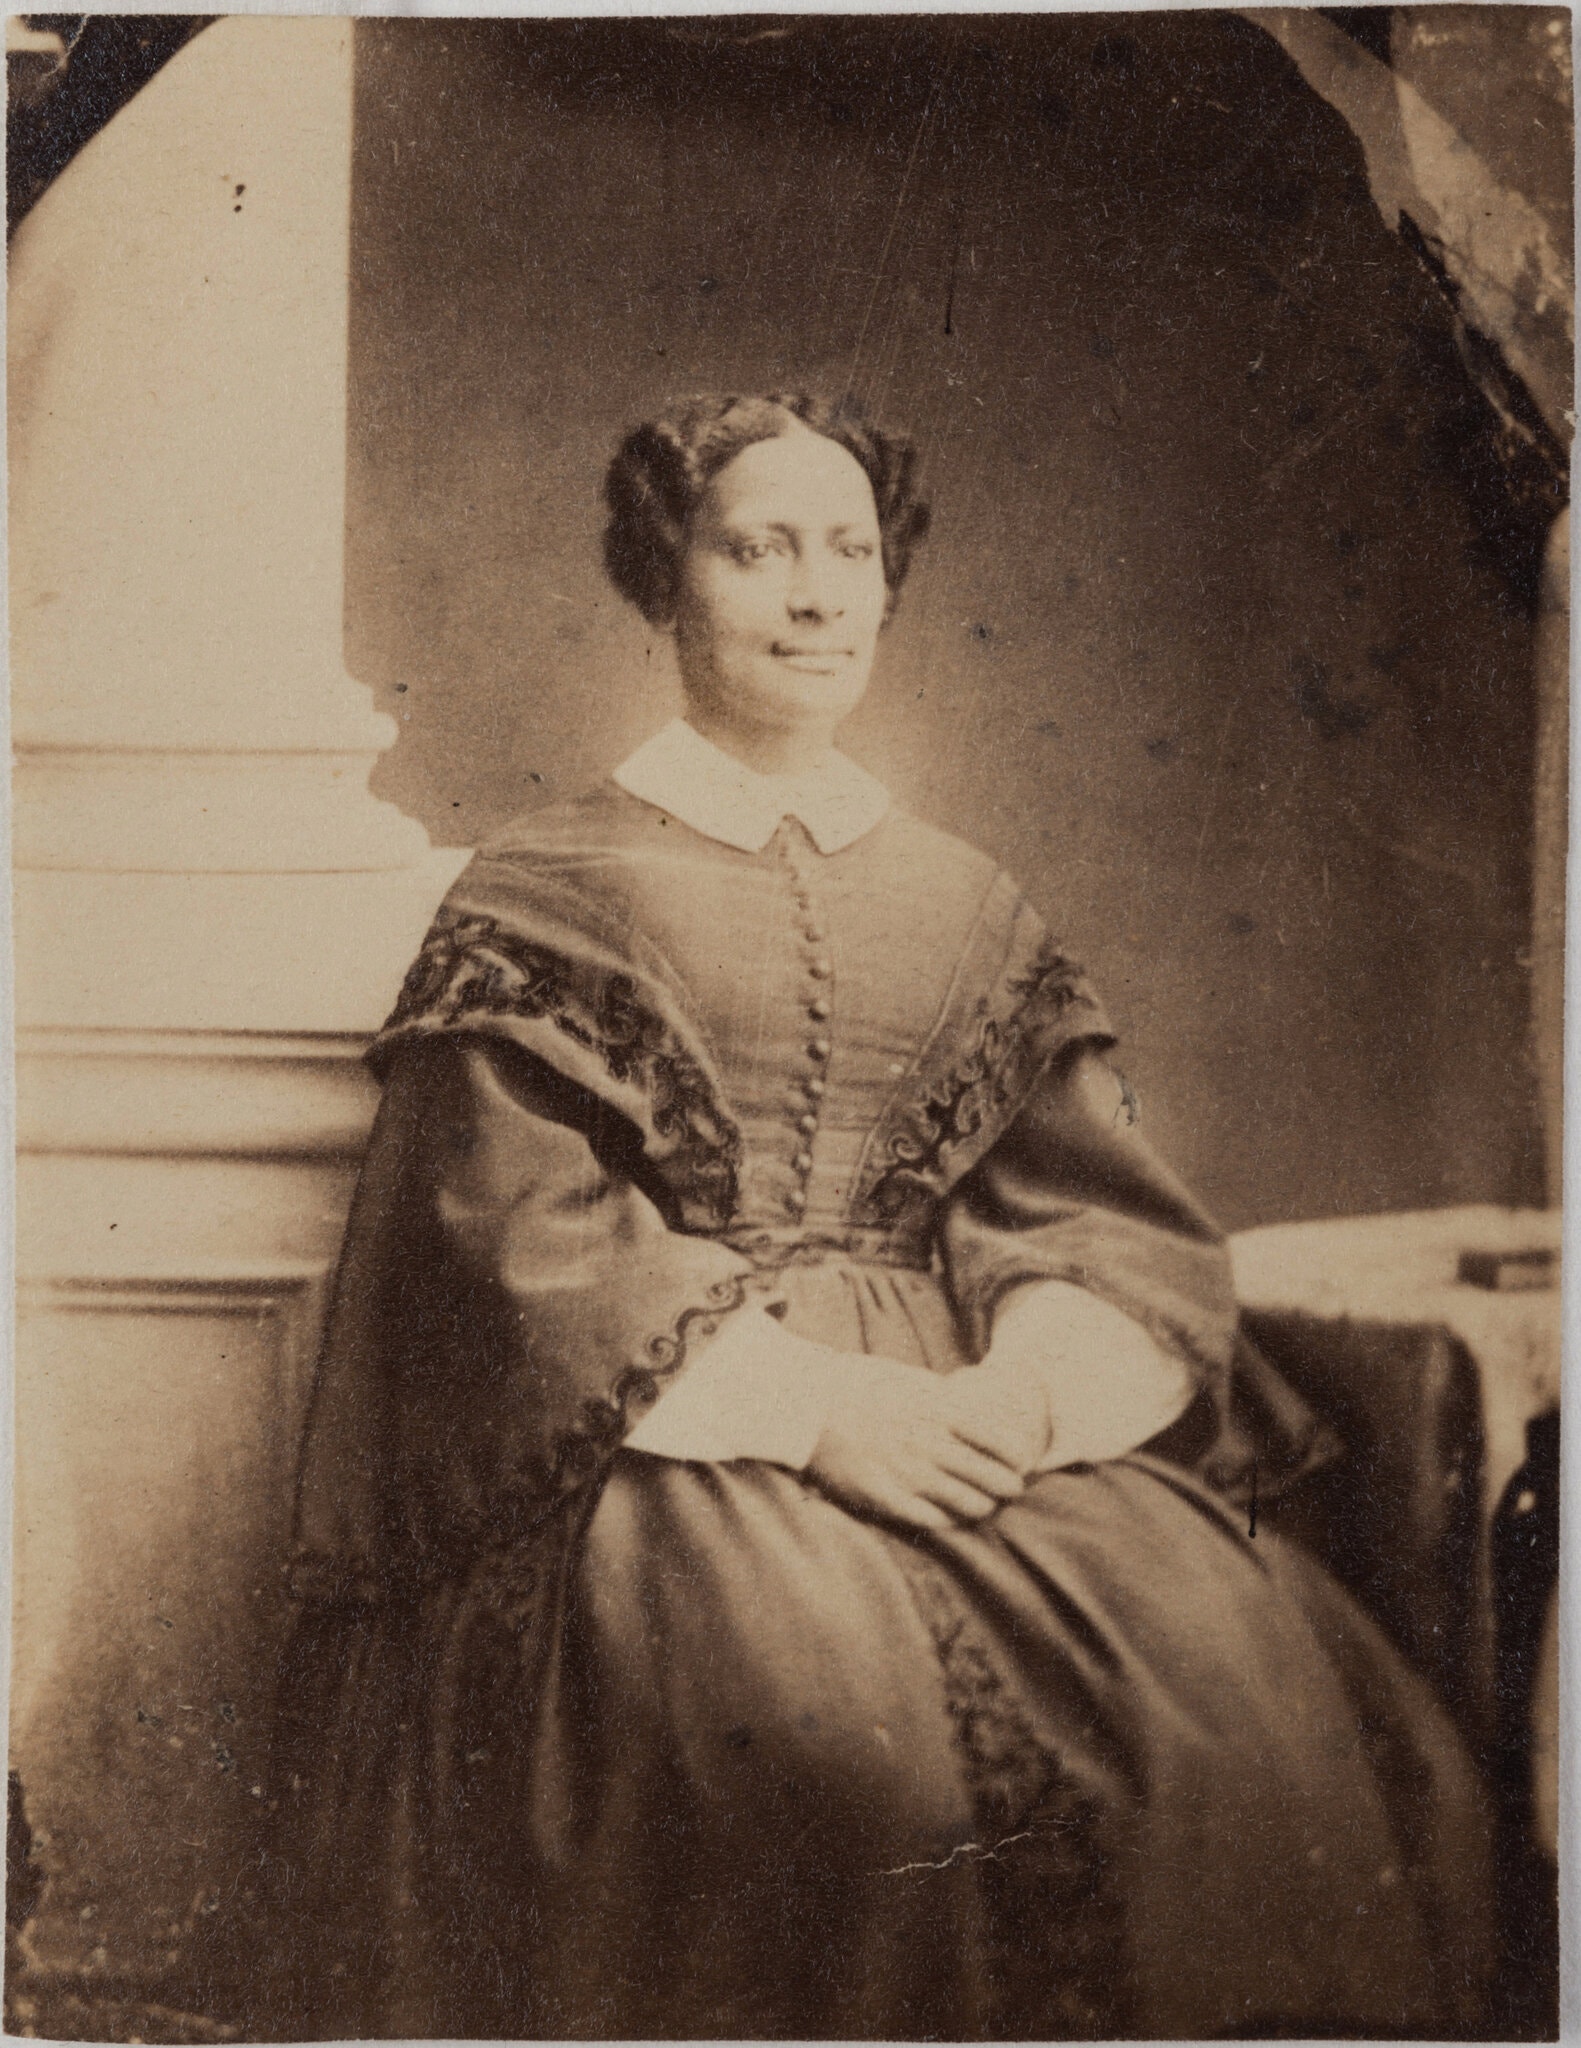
[1207,645]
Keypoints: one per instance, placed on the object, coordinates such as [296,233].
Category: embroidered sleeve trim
[529,1498]
[472,970]
[604,1421]
[957,1116]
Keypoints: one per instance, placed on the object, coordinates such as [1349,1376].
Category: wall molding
[290,1289]
[236,1094]
[142,1967]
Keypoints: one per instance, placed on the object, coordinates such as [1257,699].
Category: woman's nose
[812,593]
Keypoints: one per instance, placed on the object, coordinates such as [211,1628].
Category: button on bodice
[816,981]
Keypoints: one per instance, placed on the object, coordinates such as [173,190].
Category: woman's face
[782,588]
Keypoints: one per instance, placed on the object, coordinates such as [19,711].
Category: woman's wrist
[755,1390]
[1107,1385]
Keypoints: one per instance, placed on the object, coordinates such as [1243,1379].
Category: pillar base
[221,952]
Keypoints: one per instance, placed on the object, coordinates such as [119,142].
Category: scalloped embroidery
[977,1094]
[505,1550]
[509,1572]
[473,966]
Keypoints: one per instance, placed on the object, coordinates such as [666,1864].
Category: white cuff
[752,1391]
[1107,1384]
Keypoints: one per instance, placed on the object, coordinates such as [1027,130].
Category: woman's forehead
[798,478]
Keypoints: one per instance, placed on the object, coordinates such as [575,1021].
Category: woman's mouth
[810,660]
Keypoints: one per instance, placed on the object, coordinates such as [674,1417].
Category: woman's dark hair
[663,467]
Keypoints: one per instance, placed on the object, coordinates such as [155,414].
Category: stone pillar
[212,914]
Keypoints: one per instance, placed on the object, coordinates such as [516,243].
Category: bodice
[814,1044]
[638,1077]
[816,981]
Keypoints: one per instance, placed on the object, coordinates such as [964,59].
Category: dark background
[1207,645]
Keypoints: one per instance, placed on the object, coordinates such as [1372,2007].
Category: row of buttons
[805,1103]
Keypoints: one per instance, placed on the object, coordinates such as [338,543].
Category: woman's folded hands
[1068,1379]
[925,1448]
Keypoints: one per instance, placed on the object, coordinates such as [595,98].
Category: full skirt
[742,1764]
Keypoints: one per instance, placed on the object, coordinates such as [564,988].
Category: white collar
[681,772]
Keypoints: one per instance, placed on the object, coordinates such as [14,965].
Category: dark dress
[581,1742]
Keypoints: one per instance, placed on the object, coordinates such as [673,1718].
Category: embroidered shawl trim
[605,1026]
[978,1068]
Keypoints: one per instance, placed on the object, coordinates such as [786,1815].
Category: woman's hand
[1002,1409]
[898,1441]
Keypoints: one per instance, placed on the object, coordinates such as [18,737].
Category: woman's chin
[812,697]
[804,704]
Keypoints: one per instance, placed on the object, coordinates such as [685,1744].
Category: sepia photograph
[790,811]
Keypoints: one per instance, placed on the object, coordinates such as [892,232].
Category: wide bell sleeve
[529,1257]
[511,1301]
[513,1292]
[1070,1192]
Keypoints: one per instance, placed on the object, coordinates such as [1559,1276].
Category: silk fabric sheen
[576,1742]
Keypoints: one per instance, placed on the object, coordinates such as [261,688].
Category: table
[1401,1272]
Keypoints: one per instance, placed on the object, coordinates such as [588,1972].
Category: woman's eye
[857,550]
[753,550]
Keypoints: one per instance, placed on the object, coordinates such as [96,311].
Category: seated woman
[766,1549]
